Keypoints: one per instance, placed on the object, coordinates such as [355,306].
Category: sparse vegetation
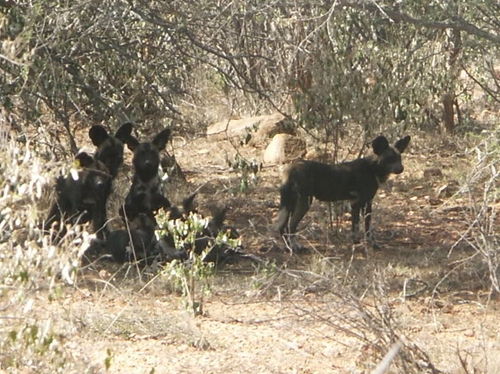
[30,263]
[192,276]
[482,191]
[343,72]
[247,171]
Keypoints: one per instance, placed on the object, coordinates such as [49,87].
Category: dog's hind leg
[287,206]
[368,229]
[301,207]
[281,223]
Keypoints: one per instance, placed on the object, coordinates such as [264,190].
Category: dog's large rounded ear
[380,144]
[217,221]
[84,159]
[98,135]
[402,143]
[124,132]
[160,140]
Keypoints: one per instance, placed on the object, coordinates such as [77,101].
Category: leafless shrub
[481,189]
[369,318]
[30,262]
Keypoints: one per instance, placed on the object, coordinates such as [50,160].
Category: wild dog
[146,193]
[138,241]
[81,195]
[110,148]
[205,239]
[187,206]
[356,181]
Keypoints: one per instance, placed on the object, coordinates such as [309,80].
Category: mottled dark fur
[217,253]
[187,206]
[146,193]
[141,233]
[357,181]
[82,197]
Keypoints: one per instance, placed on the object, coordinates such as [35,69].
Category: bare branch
[457,23]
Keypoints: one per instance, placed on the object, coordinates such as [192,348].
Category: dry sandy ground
[241,334]
[296,323]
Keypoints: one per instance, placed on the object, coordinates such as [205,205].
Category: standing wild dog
[110,148]
[146,193]
[357,181]
[81,195]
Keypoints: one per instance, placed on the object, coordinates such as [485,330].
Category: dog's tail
[287,196]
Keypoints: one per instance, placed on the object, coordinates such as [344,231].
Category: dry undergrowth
[433,287]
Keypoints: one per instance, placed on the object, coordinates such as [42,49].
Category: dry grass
[333,309]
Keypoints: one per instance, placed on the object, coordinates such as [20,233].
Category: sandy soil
[298,322]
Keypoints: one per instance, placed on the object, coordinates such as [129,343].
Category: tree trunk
[448,112]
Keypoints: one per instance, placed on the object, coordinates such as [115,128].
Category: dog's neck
[381,175]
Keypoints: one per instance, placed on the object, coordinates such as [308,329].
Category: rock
[260,128]
[284,148]
[317,154]
[268,128]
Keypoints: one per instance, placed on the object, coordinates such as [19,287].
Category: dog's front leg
[99,221]
[355,209]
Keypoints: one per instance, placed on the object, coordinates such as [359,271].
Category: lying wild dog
[146,193]
[203,240]
[81,196]
[110,147]
[357,181]
[138,241]
[187,206]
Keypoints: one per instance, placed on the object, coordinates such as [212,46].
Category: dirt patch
[290,314]
[241,334]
